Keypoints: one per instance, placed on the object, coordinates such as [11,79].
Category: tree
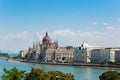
[13,74]
[39,74]
[26,56]
[110,75]
[36,74]
[57,75]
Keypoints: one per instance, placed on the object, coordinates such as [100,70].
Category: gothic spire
[33,45]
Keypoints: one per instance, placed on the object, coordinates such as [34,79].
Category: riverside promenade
[64,64]
[74,64]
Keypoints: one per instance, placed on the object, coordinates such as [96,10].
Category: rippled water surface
[80,73]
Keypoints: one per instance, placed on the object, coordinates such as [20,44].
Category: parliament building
[50,51]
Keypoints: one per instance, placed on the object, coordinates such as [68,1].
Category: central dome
[46,39]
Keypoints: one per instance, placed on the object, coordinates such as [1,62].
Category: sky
[69,21]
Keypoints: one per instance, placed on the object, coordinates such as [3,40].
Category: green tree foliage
[39,74]
[26,56]
[110,75]
[57,75]
[4,55]
[13,74]
[35,74]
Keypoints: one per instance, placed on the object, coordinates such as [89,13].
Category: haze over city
[69,21]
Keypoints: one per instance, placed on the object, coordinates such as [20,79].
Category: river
[80,73]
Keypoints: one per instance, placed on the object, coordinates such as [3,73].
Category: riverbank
[74,64]
[65,64]
[10,58]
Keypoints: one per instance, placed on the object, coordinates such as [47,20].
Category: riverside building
[23,53]
[83,53]
[49,51]
[87,54]
[106,55]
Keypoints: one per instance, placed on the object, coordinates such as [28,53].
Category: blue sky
[69,21]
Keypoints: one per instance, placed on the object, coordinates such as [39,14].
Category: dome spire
[46,33]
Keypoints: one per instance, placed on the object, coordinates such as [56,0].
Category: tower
[38,50]
[46,41]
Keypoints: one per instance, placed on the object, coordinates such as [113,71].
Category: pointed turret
[85,44]
[56,42]
[37,44]
[34,45]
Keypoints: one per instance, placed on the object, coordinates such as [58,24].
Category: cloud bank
[109,37]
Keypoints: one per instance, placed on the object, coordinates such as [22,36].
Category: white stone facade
[23,53]
[105,55]
[82,54]
[64,54]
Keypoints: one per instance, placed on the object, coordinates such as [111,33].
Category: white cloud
[105,24]
[109,36]
[95,23]
[23,35]
[63,33]
[75,38]
[39,36]
[1,44]
[118,19]
[15,42]
[111,28]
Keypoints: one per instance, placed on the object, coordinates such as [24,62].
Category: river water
[80,73]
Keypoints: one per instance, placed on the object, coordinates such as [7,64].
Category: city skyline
[69,21]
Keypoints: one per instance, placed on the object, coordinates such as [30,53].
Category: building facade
[85,54]
[117,56]
[49,52]
[105,55]
[64,54]
[23,53]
